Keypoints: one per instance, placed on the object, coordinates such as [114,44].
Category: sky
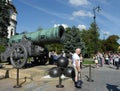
[35,14]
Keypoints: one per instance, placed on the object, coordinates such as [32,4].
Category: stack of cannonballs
[62,68]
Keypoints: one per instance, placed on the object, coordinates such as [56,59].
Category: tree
[55,47]
[5,12]
[73,40]
[111,43]
[94,35]
[4,17]
[91,39]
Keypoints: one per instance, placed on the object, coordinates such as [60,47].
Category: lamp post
[95,31]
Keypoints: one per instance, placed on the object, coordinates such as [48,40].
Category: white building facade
[13,20]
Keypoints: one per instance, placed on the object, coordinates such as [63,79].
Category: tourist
[76,63]
[116,59]
[96,61]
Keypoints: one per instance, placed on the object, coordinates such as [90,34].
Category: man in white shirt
[116,59]
[76,63]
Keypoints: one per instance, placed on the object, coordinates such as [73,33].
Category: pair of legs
[117,65]
[76,75]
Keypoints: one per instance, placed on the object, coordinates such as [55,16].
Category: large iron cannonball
[55,72]
[62,62]
[69,72]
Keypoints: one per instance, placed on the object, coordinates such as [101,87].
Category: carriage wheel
[18,56]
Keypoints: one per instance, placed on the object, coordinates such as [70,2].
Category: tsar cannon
[31,44]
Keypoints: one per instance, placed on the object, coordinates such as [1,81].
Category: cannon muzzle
[52,35]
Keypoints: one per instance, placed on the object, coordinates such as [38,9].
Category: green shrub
[2,48]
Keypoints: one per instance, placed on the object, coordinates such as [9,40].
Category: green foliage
[94,36]
[73,40]
[2,48]
[88,61]
[91,39]
[55,47]
[111,43]
[4,17]
[3,41]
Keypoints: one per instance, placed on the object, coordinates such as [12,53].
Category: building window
[11,32]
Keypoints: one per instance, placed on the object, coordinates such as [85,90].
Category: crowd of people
[99,58]
[107,58]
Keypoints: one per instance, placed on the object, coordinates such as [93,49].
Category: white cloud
[82,13]
[64,25]
[81,27]
[78,2]
[105,34]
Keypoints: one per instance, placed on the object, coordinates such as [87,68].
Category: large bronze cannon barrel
[41,36]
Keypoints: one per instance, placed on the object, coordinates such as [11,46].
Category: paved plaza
[104,78]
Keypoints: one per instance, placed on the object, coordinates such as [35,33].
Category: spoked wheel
[18,56]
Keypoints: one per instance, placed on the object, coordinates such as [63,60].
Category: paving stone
[105,78]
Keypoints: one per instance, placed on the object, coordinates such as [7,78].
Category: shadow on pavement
[112,87]
[111,67]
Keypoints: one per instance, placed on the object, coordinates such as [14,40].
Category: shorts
[76,71]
